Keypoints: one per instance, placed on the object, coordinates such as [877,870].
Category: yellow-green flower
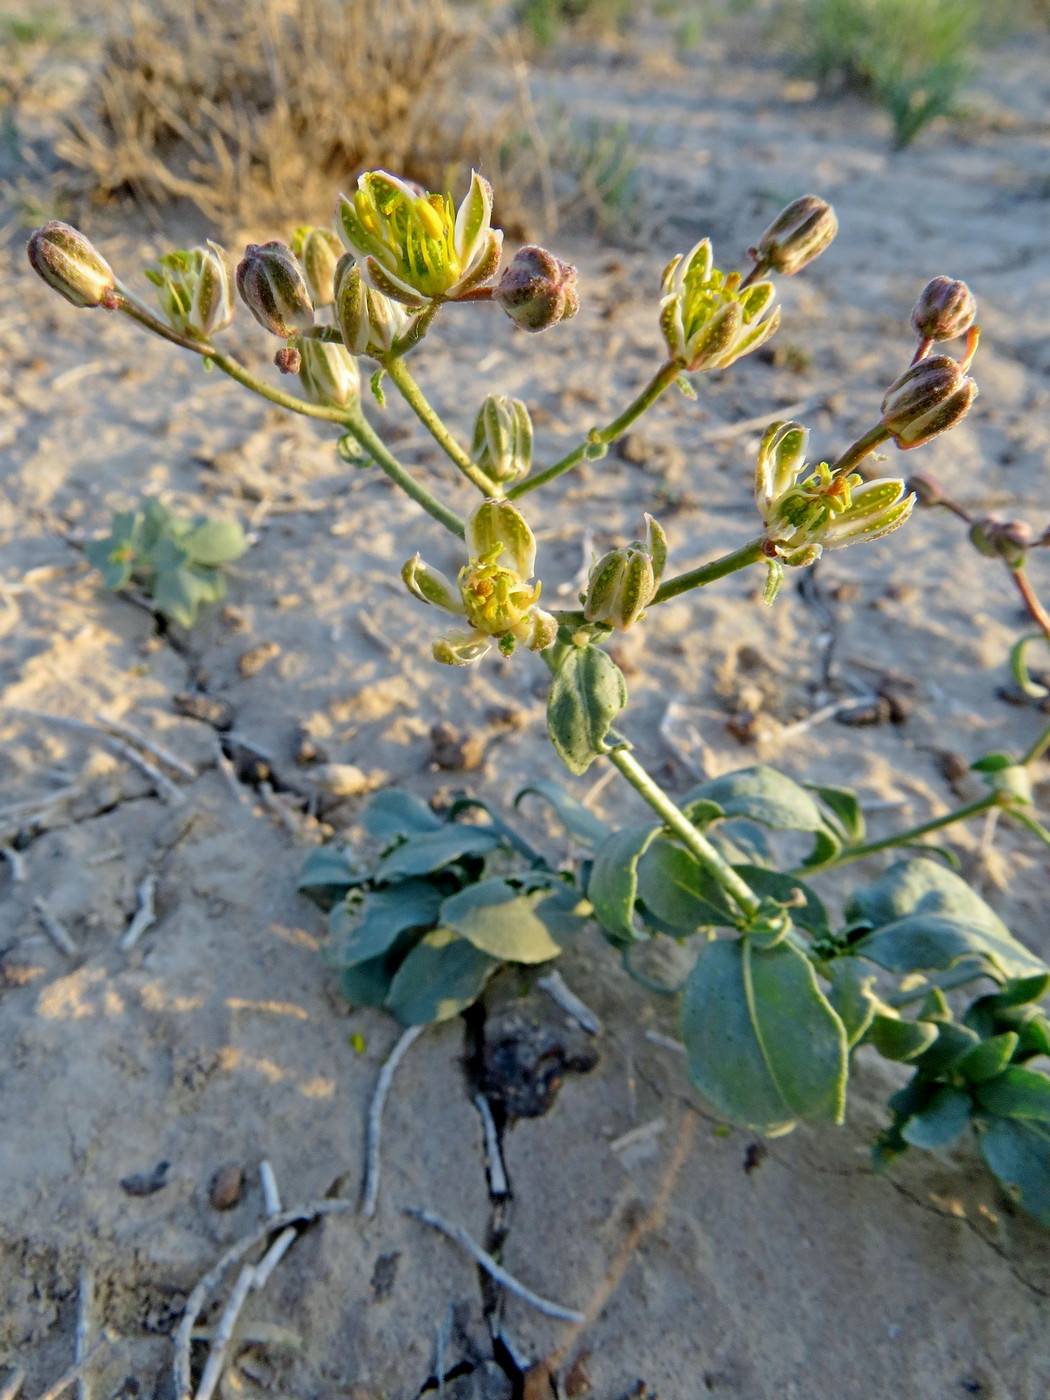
[706,319]
[417,247]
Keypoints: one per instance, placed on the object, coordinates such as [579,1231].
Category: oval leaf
[215,542]
[327,875]
[574,816]
[1019,1155]
[613,884]
[852,994]
[765,1046]
[765,796]
[674,887]
[901,1040]
[587,693]
[941,1121]
[371,928]
[391,814]
[423,854]
[500,921]
[1017,1093]
[990,1057]
[441,976]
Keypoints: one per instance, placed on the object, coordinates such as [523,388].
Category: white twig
[145,915]
[791,731]
[494,1270]
[55,929]
[370,1196]
[642,1133]
[13,1384]
[667,1042]
[165,788]
[159,752]
[696,766]
[68,1377]
[302,1215]
[224,1334]
[372,632]
[271,1195]
[228,771]
[274,1255]
[750,425]
[553,983]
[17,863]
[276,807]
[498,1183]
[85,1318]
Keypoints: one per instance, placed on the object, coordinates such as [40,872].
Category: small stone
[227,1187]
[255,658]
[952,765]
[307,749]
[870,712]
[146,1183]
[347,780]
[452,749]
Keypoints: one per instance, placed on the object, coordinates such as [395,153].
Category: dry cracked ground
[219,1038]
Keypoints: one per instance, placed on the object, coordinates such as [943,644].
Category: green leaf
[765,796]
[391,814]
[990,1057]
[843,803]
[1017,1093]
[774,884]
[367,983]
[327,874]
[215,542]
[500,921]
[371,928]
[587,692]
[155,522]
[853,997]
[901,1040]
[180,593]
[765,1046]
[499,826]
[826,845]
[441,976]
[421,855]
[702,812]
[675,888]
[1019,1155]
[941,1121]
[1020,991]
[350,450]
[951,1047]
[924,916]
[613,884]
[574,816]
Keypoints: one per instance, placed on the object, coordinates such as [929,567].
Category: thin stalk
[1038,748]
[749,553]
[401,378]
[357,424]
[869,848]
[706,854]
[857,451]
[1039,614]
[661,381]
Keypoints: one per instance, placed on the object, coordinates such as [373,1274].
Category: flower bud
[796,236]
[370,322]
[929,398]
[537,290]
[273,288]
[431,586]
[944,310]
[622,583]
[318,251]
[498,531]
[927,490]
[67,261]
[327,372]
[502,445]
[1002,539]
[288,360]
[194,290]
[781,457]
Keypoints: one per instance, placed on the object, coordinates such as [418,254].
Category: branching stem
[747,554]
[402,379]
[900,838]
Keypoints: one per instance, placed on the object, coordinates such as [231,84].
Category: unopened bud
[622,583]
[67,261]
[498,531]
[927,399]
[431,586]
[796,236]
[273,288]
[288,360]
[502,445]
[318,251]
[927,490]
[194,290]
[327,372]
[944,310]
[1002,539]
[537,290]
[369,322]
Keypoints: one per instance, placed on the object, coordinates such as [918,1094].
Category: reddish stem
[1039,615]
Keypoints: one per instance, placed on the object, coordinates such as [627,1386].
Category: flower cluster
[708,318]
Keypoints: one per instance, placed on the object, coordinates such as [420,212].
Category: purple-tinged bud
[67,261]
[273,288]
[926,489]
[318,251]
[929,398]
[944,310]
[288,360]
[1008,540]
[537,290]
[796,236]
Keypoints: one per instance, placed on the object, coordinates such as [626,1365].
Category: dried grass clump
[260,109]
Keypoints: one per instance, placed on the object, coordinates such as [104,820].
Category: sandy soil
[220,1038]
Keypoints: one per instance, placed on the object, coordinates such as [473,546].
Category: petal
[472,220]
[382,280]
[484,267]
[431,586]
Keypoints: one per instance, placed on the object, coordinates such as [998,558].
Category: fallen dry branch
[370,1196]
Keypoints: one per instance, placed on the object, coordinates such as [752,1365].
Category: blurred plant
[546,21]
[914,55]
[780,992]
[175,561]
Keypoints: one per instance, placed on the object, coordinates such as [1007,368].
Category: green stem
[857,451]
[749,553]
[401,378]
[706,854]
[1038,748]
[870,848]
[350,418]
[665,376]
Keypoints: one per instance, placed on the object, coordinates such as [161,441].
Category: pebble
[227,1187]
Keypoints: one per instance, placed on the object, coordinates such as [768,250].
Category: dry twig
[85,1319]
[554,985]
[55,929]
[16,863]
[13,1384]
[145,915]
[77,1369]
[498,1183]
[370,1196]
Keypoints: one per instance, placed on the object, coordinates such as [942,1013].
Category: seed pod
[327,372]
[928,399]
[273,288]
[318,251]
[927,490]
[537,290]
[67,261]
[797,235]
[502,445]
[944,310]
[1008,540]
